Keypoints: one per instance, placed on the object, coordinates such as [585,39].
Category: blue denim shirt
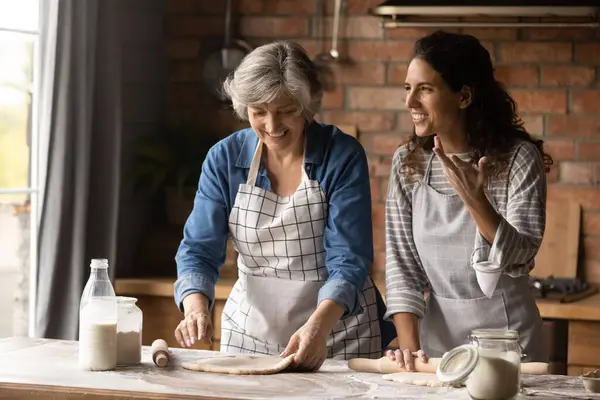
[334,159]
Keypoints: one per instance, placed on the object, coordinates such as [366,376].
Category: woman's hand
[310,345]
[406,359]
[197,324]
[468,181]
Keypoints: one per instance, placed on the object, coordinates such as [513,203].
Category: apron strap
[255,165]
[427,175]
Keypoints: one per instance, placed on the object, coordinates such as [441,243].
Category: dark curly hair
[492,124]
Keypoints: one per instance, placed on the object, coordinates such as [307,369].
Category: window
[18,232]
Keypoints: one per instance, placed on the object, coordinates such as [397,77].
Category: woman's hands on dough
[197,324]
[406,358]
[310,345]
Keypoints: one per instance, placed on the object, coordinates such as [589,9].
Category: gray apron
[281,267]
[445,237]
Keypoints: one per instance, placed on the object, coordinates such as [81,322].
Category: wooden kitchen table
[47,369]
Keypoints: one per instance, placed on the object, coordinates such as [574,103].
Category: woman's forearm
[485,217]
[326,316]
[407,328]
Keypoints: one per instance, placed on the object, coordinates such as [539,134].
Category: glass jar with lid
[489,366]
[129,331]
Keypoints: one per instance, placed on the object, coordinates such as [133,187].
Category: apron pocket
[278,307]
[449,322]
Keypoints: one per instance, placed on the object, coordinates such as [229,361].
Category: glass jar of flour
[129,331]
[489,366]
[98,320]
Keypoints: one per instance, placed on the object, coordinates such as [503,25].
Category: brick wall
[553,74]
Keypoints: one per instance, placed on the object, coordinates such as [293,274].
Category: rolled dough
[241,364]
[416,378]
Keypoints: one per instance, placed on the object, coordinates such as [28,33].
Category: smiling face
[435,109]
[278,123]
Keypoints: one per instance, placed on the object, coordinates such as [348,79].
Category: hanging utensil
[324,60]
[221,63]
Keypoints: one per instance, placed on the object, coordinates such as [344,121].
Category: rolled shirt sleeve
[201,253]
[348,234]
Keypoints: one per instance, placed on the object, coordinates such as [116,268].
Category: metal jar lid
[456,365]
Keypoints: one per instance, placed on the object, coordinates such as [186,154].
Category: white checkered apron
[281,267]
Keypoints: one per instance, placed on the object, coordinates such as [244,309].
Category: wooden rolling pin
[160,353]
[386,366]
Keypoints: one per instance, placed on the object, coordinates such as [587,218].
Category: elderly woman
[294,197]
[466,202]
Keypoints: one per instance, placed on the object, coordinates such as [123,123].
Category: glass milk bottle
[98,320]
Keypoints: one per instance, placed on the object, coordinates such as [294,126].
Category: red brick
[249,6]
[588,197]
[334,99]
[552,175]
[360,73]
[534,52]
[397,74]
[382,98]
[591,271]
[591,247]
[205,7]
[386,143]
[194,26]
[585,102]
[378,239]
[310,45]
[412,34]
[567,75]
[182,49]
[290,7]
[184,71]
[534,124]
[180,6]
[560,149]
[365,50]
[591,223]
[276,27]
[570,125]
[556,33]
[405,122]
[365,121]
[492,34]
[517,75]
[576,172]
[378,215]
[384,188]
[545,101]
[587,52]
[380,166]
[353,7]
[588,151]
[365,27]
[375,190]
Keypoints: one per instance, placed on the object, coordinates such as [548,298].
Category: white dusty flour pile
[494,378]
[129,348]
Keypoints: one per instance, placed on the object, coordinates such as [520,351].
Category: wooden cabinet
[584,346]
[161,315]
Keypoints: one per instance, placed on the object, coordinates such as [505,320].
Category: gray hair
[282,67]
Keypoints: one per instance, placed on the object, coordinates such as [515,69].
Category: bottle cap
[99,263]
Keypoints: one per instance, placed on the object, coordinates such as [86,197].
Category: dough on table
[416,378]
[241,364]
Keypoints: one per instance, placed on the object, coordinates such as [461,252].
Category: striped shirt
[520,200]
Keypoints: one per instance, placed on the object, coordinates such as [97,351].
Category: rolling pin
[160,353]
[386,366]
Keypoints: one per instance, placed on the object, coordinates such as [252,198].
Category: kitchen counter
[47,369]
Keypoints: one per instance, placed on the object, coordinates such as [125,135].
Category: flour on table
[416,379]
